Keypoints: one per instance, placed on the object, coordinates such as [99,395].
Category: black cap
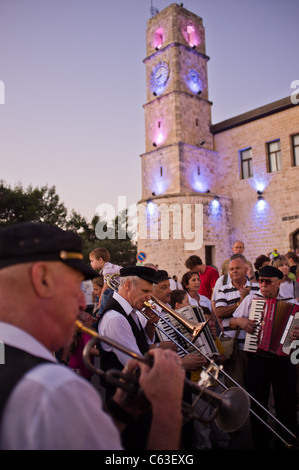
[144,272]
[26,242]
[270,271]
[161,275]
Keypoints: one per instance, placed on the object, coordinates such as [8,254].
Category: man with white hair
[122,320]
[45,405]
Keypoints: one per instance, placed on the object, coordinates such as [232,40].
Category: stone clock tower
[181,211]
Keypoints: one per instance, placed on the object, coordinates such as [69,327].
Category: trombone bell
[197,328]
[234,409]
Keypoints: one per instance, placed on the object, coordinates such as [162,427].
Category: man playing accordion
[267,368]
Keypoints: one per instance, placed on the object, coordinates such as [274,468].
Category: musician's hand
[193,361]
[168,345]
[294,333]
[163,382]
[247,325]
[122,398]
[152,317]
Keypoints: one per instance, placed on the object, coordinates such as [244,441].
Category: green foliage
[31,205]
[122,249]
[42,205]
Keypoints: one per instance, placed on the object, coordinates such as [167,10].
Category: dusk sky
[75,86]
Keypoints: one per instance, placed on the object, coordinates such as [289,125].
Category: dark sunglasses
[268,282]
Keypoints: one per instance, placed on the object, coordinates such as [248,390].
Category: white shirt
[227,295]
[286,289]
[244,309]
[175,284]
[202,302]
[52,407]
[115,326]
[109,269]
[87,288]
[218,284]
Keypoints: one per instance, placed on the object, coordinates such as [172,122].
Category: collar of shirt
[129,310]
[123,302]
[192,301]
[247,284]
[13,336]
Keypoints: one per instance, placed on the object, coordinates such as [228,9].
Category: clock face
[159,78]
[161,75]
[194,81]
[193,76]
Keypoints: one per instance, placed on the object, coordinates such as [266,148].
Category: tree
[31,205]
[114,236]
[42,205]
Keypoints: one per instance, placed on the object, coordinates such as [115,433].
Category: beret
[161,275]
[270,271]
[144,272]
[28,242]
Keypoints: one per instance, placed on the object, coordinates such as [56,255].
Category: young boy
[100,261]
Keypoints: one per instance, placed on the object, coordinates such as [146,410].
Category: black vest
[109,359]
[17,363]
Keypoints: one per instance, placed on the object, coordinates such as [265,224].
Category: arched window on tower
[191,35]
[159,38]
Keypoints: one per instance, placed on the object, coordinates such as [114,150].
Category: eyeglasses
[268,282]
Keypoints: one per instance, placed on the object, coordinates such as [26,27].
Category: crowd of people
[43,350]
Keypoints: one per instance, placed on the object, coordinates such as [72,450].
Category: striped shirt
[228,295]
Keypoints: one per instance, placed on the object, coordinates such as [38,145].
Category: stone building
[205,185]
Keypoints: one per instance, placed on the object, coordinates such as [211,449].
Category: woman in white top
[287,287]
[191,284]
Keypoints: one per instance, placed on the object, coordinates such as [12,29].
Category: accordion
[204,341]
[274,319]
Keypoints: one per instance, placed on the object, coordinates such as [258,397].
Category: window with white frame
[295,145]
[246,163]
[274,156]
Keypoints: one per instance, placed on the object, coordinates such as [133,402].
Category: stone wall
[270,224]
[191,222]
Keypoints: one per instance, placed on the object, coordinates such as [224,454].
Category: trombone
[194,328]
[113,284]
[231,408]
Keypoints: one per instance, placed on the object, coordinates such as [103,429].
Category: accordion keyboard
[255,314]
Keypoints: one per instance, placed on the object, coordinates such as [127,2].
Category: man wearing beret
[266,369]
[45,405]
[122,320]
